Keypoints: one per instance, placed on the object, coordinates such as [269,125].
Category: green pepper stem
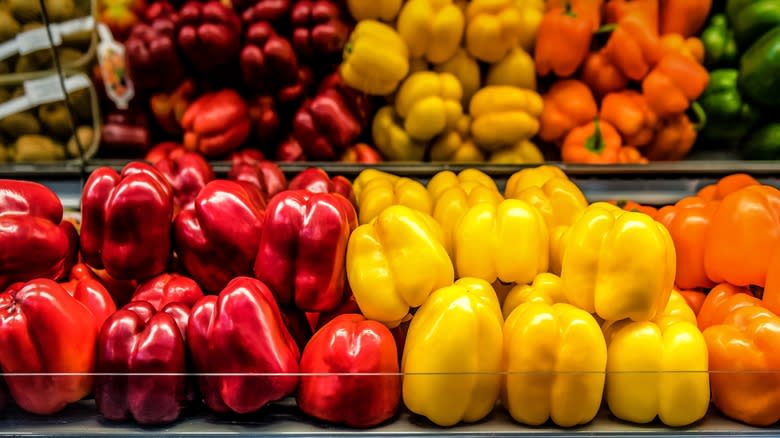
[595,143]
[699,116]
[567,10]
[607,28]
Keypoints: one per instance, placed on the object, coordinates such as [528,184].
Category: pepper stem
[607,28]
[699,116]
[567,10]
[595,143]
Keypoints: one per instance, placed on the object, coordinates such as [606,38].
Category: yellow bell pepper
[368,175]
[432,29]
[467,179]
[508,242]
[523,152]
[384,10]
[618,264]
[516,69]
[395,262]
[658,368]
[547,288]
[453,204]
[504,116]
[464,67]
[429,103]
[532,12]
[554,358]
[533,177]
[380,193]
[456,145]
[393,142]
[452,355]
[493,28]
[376,59]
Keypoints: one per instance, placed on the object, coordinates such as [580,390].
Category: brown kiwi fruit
[17,125]
[9,27]
[36,148]
[86,135]
[55,119]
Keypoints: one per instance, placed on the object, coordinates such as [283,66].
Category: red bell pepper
[187,172]
[320,28]
[168,107]
[209,34]
[290,150]
[151,49]
[362,153]
[351,344]
[125,133]
[262,10]
[302,249]
[126,221]
[43,329]
[216,123]
[317,180]
[292,94]
[242,331]
[139,339]
[249,165]
[90,292]
[297,324]
[168,288]
[119,290]
[268,60]
[217,237]
[265,119]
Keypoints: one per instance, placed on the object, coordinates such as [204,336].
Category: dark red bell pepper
[45,330]
[268,60]
[216,123]
[209,34]
[119,290]
[249,165]
[320,28]
[298,325]
[35,241]
[125,133]
[350,344]
[263,113]
[292,94]
[126,221]
[362,153]
[290,150]
[168,107]
[317,180]
[303,247]
[262,10]
[90,292]
[151,49]
[187,172]
[217,237]
[242,331]
[137,340]
[168,288]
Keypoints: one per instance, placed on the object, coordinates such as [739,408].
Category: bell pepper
[658,368]
[456,145]
[466,69]
[302,247]
[752,19]
[216,123]
[726,186]
[209,34]
[543,380]
[466,179]
[241,331]
[647,11]
[452,357]
[729,116]
[508,242]
[350,344]
[317,180]
[392,140]
[363,154]
[385,10]
[262,10]
[673,139]
[376,58]
[516,69]
[268,60]
[152,48]
[683,17]
[720,46]
[35,239]
[600,252]
[631,155]
[759,71]
[568,104]
[369,175]
[293,93]
[168,107]
[690,47]
[429,103]
[638,208]
[249,165]
[601,75]
[694,299]
[493,28]
[771,293]
[216,237]
[379,194]
[120,290]
[762,143]
[633,47]
[126,221]
[562,42]
[597,142]
[588,9]
[43,329]
[320,28]
[166,289]
[395,262]
[629,112]
[742,236]
[142,339]
[504,116]
[264,117]
[125,133]
[432,29]
[673,84]
[722,301]
[186,172]
[531,177]
[546,288]
[531,15]
[90,292]
[523,152]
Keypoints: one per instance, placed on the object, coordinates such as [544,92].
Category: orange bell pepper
[674,83]
[673,139]
[726,186]
[684,17]
[631,155]
[601,75]
[744,359]
[772,289]
[633,47]
[630,114]
[562,42]
[691,47]
[568,104]
[694,299]
[645,10]
[589,9]
[596,143]
[723,300]
[636,207]
[708,193]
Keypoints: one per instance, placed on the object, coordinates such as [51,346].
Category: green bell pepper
[729,117]
[763,143]
[720,47]
[750,19]
[759,72]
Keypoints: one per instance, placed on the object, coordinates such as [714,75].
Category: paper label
[113,69]
[41,91]
[8,49]
[36,39]
[76,25]
[13,106]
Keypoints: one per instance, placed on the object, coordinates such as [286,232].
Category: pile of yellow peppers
[531,296]
[427,57]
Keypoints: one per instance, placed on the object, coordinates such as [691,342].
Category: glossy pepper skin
[376,58]
[720,46]
[504,116]
[140,339]
[268,60]
[730,117]
[633,47]
[251,166]
[429,103]
[39,321]
[317,180]
[302,248]
[673,84]
[751,19]
[563,42]
[600,256]
[152,48]
[493,28]
[392,140]
[723,300]
[209,34]
[34,237]
[126,221]
[759,70]
[166,289]
[120,290]
[683,17]
[242,331]
[379,194]
[217,236]
[350,344]
[568,104]
[763,143]
[658,368]
[186,172]
[630,114]
[216,123]
[432,29]
[597,142]
[452,356]
[91,293]
[320,28]
[546,288]
[385,280]
[544,380]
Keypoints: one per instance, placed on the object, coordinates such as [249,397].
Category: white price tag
[74,26]
[13,106]
[76,82]
[43,90]
[36,39]
[8,49]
